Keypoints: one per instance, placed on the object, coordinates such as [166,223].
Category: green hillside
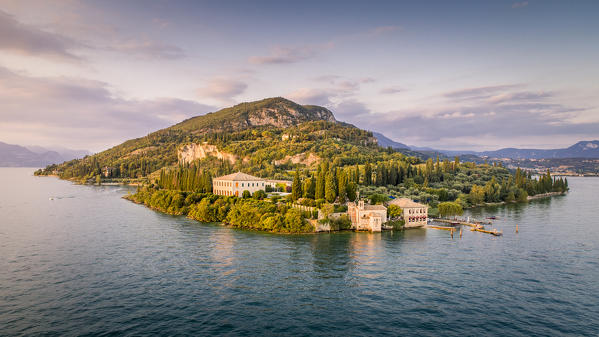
[277,138]
[254,128]
[277,111]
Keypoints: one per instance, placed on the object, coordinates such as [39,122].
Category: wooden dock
[461,222]
[483,230]
[476,226]
[447,228]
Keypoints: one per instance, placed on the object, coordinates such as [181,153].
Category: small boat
[50,198]
[492,217]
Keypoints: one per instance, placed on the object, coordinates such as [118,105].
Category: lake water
[91,263]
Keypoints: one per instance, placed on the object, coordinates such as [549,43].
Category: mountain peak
[274,111]
[586,145]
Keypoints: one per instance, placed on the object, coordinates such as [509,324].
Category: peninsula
[279,166]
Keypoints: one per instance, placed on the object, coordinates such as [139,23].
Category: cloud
[520,4]
[312,96]
[479,92]
[33,41]
[327,78]
[286,55]
[390,91]
[520,96]
[148,49]
[488,117]
[338,90]
[367,80]
[67,111]
[381,30]
[161,23]
[351,109]
[222,89]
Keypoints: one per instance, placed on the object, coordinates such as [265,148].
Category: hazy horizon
[461,75]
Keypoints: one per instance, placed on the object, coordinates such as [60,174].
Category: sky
[461,75]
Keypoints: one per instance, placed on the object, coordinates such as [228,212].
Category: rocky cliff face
[286,116]
[276,112]
[191,152]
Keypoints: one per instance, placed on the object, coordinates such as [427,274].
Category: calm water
[90,262]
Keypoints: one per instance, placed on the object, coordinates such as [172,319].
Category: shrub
[259,194]
[378,199]
[450,209]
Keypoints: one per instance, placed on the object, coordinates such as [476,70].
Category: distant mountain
[387,142]
[66,154]
[423,152]
[20,156]
[583,149]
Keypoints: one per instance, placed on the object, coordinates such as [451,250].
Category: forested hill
[267,137]
[277,138]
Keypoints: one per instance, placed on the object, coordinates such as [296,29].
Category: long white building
[234,184]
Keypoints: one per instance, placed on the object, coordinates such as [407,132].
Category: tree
[477,195]
[320,184]
[394,211]
[309,188]
[368,174]
[330,190]
[98,180]
[259,194]
[492,191]
[378,199]
[352,189]
[294,222]
[449,208]
[326,210]
[246,194]
[342,186]
[296,187]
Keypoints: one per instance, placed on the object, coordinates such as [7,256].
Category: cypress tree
[296,187]
[309,188]
[342,186]
[320,182]
[330,190]
[368,174]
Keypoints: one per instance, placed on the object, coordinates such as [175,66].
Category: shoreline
[224,224]
[529,198]
[545,195]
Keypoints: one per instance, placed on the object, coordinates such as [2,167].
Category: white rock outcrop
[191,152]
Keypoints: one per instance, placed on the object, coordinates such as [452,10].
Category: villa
[414,214]
[366,217]
[234,184]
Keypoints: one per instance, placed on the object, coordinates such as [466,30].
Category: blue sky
[445,74]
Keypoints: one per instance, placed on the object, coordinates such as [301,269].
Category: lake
[91,263]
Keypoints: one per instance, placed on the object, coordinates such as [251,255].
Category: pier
[483,230]
[462,222]
[475,226]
